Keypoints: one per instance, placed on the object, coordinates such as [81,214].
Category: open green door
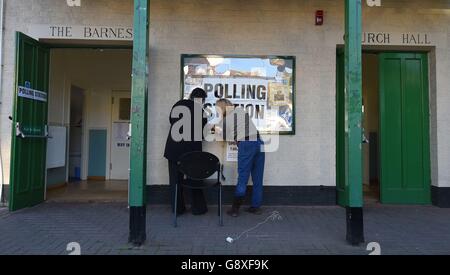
[342,194]
[29,134]
[405,142]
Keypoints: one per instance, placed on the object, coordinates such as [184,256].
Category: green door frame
[341,189]
[139,97]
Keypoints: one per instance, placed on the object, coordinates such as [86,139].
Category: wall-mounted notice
[31,94]
[232,152]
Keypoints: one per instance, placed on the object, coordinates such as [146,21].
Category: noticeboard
[263,85]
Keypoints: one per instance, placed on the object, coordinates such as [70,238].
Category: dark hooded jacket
[175,149]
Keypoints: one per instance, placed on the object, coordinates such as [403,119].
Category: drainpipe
[2,11]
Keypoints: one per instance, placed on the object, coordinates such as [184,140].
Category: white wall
[286,28]
[266,27]
[253,28]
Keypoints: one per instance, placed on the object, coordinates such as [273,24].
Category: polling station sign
[250,94]
[32,94]
[263,86]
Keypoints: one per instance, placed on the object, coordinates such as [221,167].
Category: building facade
[406,90]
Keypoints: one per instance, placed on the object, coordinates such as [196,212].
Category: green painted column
[353,120]
[139,91]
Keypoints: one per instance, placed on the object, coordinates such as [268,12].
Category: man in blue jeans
[237,126]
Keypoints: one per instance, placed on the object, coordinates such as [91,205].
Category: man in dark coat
[175,148]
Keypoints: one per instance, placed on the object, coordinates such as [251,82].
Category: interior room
[89,113]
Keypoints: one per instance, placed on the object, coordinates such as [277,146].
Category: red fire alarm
[319,18]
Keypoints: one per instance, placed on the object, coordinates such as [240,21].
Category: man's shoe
[254,210]
[234,211]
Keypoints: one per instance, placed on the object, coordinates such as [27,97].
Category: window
[125,109]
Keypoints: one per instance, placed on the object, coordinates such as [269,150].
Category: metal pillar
[139,90]
[353,127]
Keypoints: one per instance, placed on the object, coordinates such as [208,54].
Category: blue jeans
[251,160]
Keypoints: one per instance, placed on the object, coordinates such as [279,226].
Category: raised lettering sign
[82,32]
[386,38]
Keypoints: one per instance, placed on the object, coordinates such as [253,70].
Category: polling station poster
[263,86]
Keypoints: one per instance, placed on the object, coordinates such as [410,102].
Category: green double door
[404,129]
[29,128]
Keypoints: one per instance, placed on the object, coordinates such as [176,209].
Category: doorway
[63,95]
[371,115]
[82,84]
[98,162]
[395,149]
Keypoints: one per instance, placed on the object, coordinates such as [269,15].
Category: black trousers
[198,202]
